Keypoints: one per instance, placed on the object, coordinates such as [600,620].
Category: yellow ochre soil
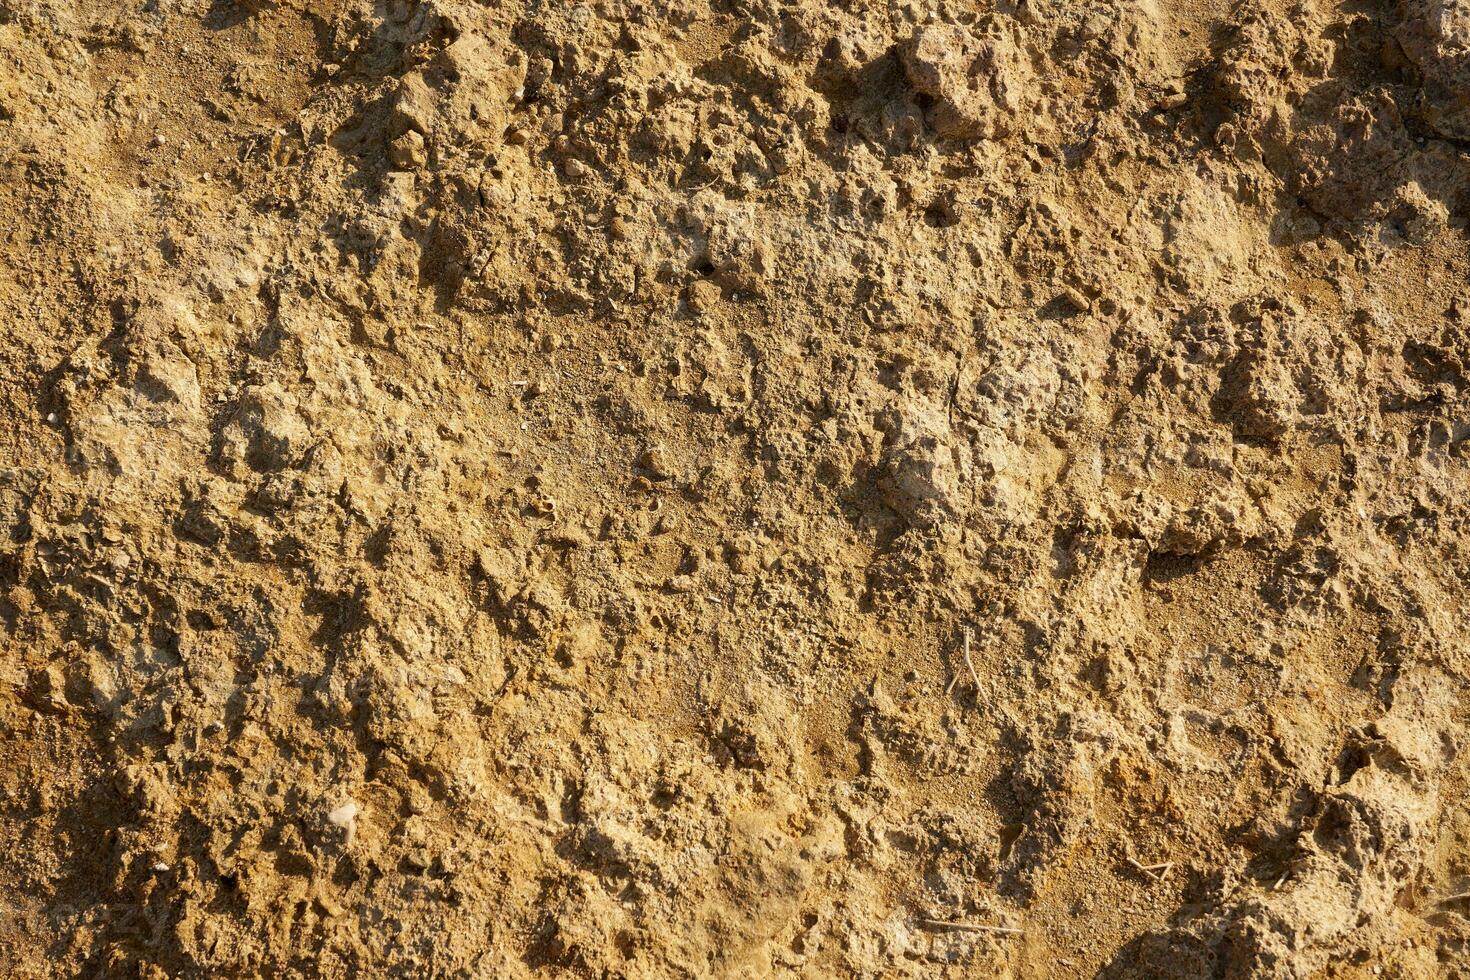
[734,488]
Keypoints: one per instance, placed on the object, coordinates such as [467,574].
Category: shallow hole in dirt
[941,212]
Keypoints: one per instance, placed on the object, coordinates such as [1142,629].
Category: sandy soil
[734,488]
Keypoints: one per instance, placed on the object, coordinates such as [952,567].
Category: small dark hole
[941,213]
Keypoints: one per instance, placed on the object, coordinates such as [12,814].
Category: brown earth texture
[734,488]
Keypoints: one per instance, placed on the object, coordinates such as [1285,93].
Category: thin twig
[954,678]
[969,665]
[970,927]
[1146,872]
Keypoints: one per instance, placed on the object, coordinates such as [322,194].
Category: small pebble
[345,817]
[703,295]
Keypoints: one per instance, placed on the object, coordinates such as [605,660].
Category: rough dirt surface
[733,489]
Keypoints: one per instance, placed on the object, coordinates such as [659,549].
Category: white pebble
[345,816]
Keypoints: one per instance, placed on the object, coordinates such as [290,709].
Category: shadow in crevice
[225,14]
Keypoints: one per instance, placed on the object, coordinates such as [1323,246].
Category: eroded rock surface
[734,489]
